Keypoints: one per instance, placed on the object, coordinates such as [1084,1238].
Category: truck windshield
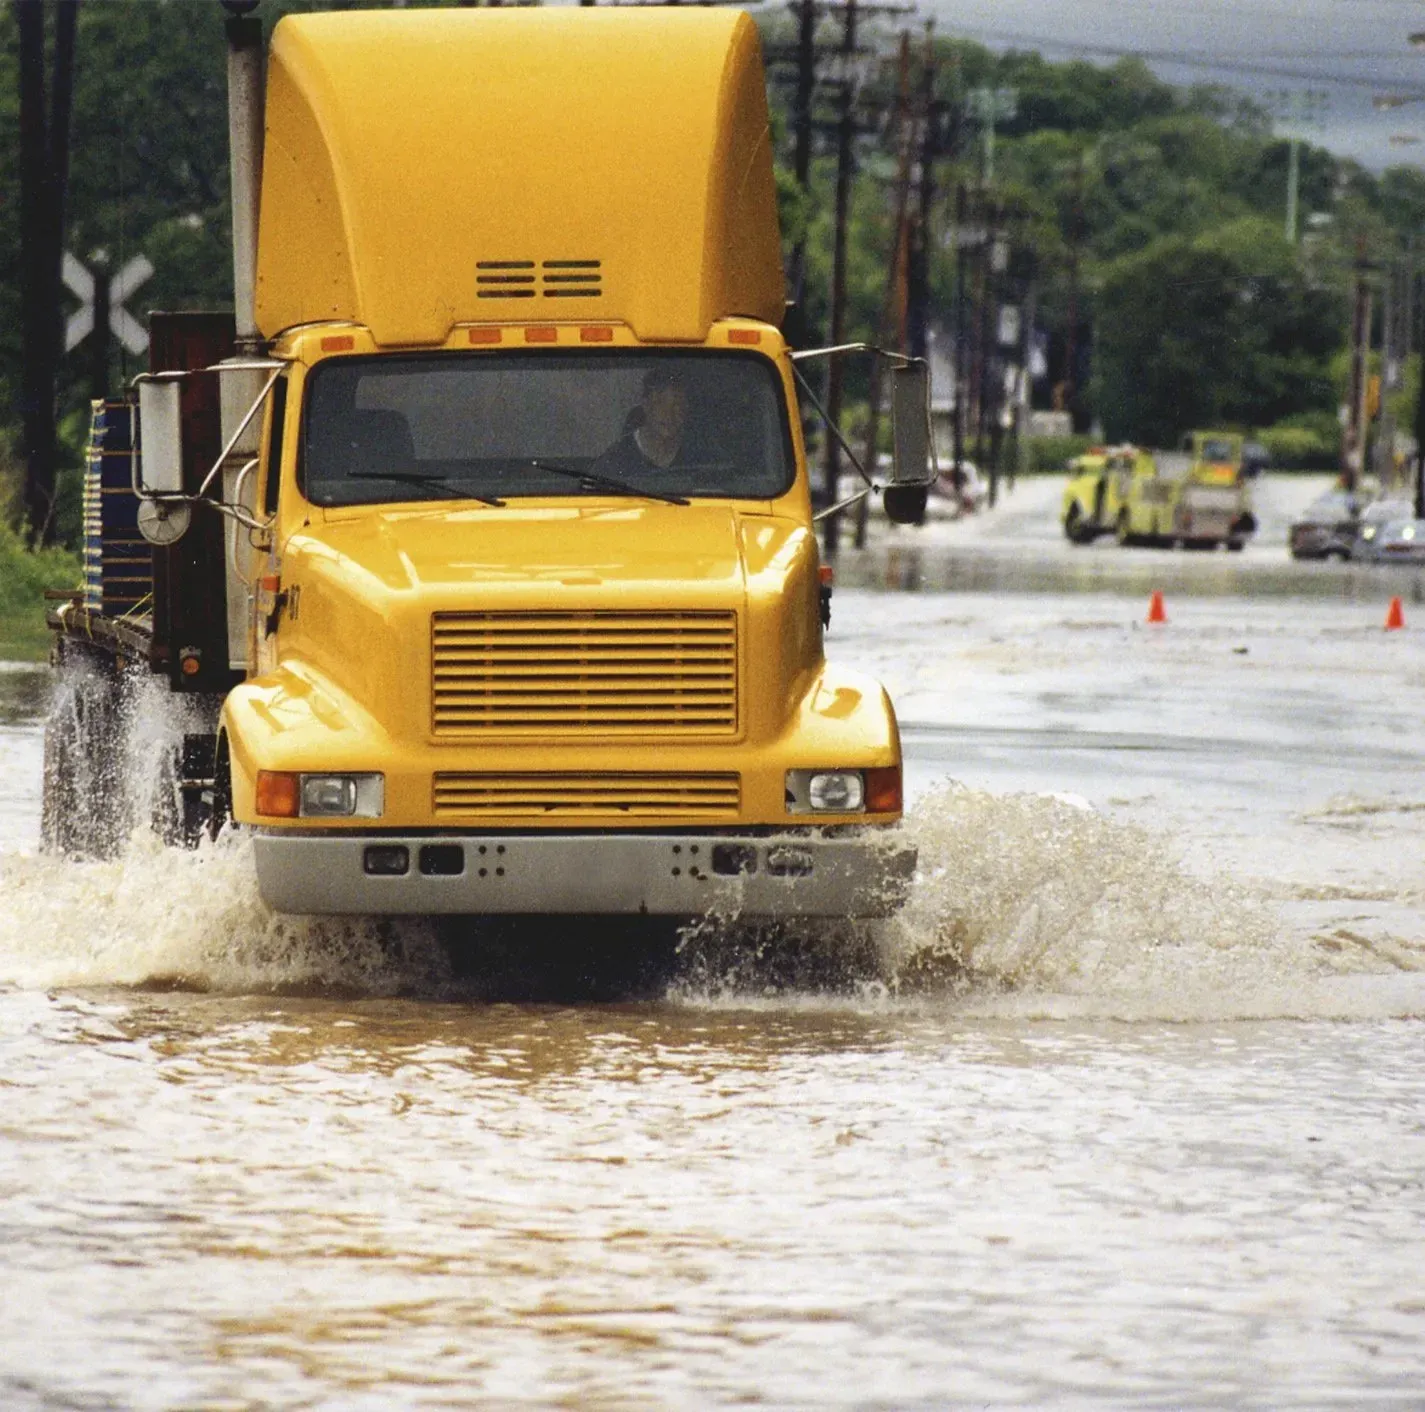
[689,424]
[1215,449]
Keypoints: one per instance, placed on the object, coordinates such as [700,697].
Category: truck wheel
[217,812]
[179,813]
[1123,531]
[1237,545]
[1073,525]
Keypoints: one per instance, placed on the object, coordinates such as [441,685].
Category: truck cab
[532,597]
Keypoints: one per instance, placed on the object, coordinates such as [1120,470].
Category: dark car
[1327,527]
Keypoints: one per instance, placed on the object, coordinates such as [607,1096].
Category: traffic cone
[1156,612]
[1395,616]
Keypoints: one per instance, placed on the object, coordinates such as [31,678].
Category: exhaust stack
[245,104]
[239,390]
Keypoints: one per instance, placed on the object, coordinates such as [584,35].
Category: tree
[44,171]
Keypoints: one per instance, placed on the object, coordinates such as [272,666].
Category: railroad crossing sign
[84,285]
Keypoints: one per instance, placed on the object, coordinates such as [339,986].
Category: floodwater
[1128,1109]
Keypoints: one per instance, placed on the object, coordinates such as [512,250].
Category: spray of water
[1024,904]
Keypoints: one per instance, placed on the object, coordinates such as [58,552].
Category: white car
[958,495]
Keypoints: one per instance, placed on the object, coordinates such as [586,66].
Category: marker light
[883,790]
[277,794]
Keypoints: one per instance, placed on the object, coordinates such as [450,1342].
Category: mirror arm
[900,359]
[242,426]
[834,429]
[841,505]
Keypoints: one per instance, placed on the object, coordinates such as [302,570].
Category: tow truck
[477,544]
[1195,497]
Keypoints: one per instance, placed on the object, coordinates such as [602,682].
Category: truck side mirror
[160,461]
[905,496]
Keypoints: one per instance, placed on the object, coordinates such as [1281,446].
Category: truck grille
[545,796]
[584,674]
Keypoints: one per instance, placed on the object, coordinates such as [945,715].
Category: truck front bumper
[861,876]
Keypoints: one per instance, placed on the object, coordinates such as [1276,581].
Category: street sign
[84,285]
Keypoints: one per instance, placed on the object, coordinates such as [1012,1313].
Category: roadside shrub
[24,576]
[1308,441]
[1048,453]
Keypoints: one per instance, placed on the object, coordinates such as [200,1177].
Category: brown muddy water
[1127,1109]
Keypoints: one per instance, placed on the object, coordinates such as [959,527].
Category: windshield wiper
[430,483]
[619,487]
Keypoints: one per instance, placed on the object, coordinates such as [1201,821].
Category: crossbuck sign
[81,283]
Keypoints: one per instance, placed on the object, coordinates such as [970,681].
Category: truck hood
[692,549]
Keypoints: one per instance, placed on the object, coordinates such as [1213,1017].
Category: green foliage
[1308,441]
[1218,328]
[24,576]
[1152,213]
[1049,453]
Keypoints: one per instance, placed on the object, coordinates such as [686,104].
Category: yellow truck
[524,608]
[1196,497]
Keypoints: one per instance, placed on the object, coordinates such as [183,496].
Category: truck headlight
[875,791]
[836,791]
[285,795]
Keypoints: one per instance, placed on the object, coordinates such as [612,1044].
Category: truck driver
[653,433]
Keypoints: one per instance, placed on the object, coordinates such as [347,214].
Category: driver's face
[665,409]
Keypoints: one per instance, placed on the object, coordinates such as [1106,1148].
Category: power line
[1184,58]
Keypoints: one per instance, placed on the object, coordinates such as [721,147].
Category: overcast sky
[1349,49]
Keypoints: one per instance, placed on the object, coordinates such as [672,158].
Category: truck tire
[1076,528]
[217,807]
[1123,531]
[1236,546]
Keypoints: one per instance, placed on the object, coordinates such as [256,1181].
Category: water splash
[1038,904]
[157,916]
[1025,905]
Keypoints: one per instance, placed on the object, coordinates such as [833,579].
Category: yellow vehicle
[534,611]
[1099,488]
[1196,497]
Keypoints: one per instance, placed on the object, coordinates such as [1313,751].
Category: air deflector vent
[552,279]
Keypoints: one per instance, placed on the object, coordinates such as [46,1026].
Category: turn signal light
[883,790]
[278,794]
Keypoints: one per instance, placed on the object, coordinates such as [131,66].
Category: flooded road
[1129,1110]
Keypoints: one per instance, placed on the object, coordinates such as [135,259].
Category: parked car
[1371,535]
[1327,528]
[963,493]
[1394,542]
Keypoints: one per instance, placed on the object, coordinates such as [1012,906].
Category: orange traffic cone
[1156,612]
[1395,616]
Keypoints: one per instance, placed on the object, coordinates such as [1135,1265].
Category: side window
[272,462]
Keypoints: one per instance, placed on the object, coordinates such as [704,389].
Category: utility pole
[845,133]
[991,105]
[917,296]
[961,380]
[1420,429]
[803,100]
[1071,350]
[1353,442]
[1298,112]
[44,176]
[892,329]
